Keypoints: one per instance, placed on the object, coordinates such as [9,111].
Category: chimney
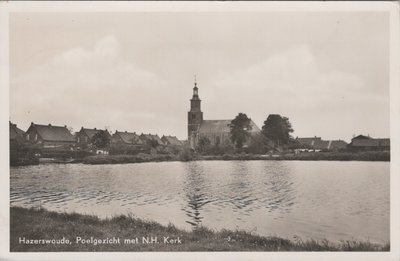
[49,124]
[94,128]
[65,126]
[32,123]
[126,132]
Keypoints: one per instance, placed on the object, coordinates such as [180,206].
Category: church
[217,131]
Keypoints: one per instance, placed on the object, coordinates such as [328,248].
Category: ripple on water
[333,200]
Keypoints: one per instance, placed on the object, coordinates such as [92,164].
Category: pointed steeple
[195,116]
[195,90]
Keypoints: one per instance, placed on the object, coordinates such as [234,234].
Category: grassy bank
[41,224]
[333,156]
[338,156]
[342,156]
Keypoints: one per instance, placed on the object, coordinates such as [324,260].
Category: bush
[186,154]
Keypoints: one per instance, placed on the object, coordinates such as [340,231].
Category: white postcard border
[65,6]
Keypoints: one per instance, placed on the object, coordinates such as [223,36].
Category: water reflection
[279,189]
[194,185]
[333,200]
[238,189]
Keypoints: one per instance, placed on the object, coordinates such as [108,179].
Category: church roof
[222,126]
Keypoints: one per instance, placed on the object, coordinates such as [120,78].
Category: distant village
[50,141]
[57,141]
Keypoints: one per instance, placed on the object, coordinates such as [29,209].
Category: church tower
[195,117]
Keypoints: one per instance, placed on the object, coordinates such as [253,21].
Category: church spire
[195,116]
[195,90]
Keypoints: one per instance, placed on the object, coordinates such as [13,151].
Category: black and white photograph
[200,127]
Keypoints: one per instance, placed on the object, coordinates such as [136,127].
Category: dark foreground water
[310,199]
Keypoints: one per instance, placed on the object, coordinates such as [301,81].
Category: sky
[328,72]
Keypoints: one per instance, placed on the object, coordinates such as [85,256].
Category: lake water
[310,199]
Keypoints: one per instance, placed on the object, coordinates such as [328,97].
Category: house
[171,141]
[85,136]
[216,131]
[16,142]
[337,145]
[366,143]
[16,136]
[50,139]
[126,138]
[317,144]
[20,153]
[151,139]
[123,142]
[308,142]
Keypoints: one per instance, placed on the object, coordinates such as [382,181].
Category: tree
[277,129]
[240,127]
[101,139]
[203,144]
[258,144]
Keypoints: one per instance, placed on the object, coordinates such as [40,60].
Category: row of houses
[358,143]
[50,138]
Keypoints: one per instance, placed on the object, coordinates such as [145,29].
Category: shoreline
[90,233]
[312,156]
[381,156]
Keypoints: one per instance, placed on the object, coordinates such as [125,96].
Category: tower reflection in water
[237,191]
[194,190]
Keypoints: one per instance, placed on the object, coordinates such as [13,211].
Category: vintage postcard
[211,130]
